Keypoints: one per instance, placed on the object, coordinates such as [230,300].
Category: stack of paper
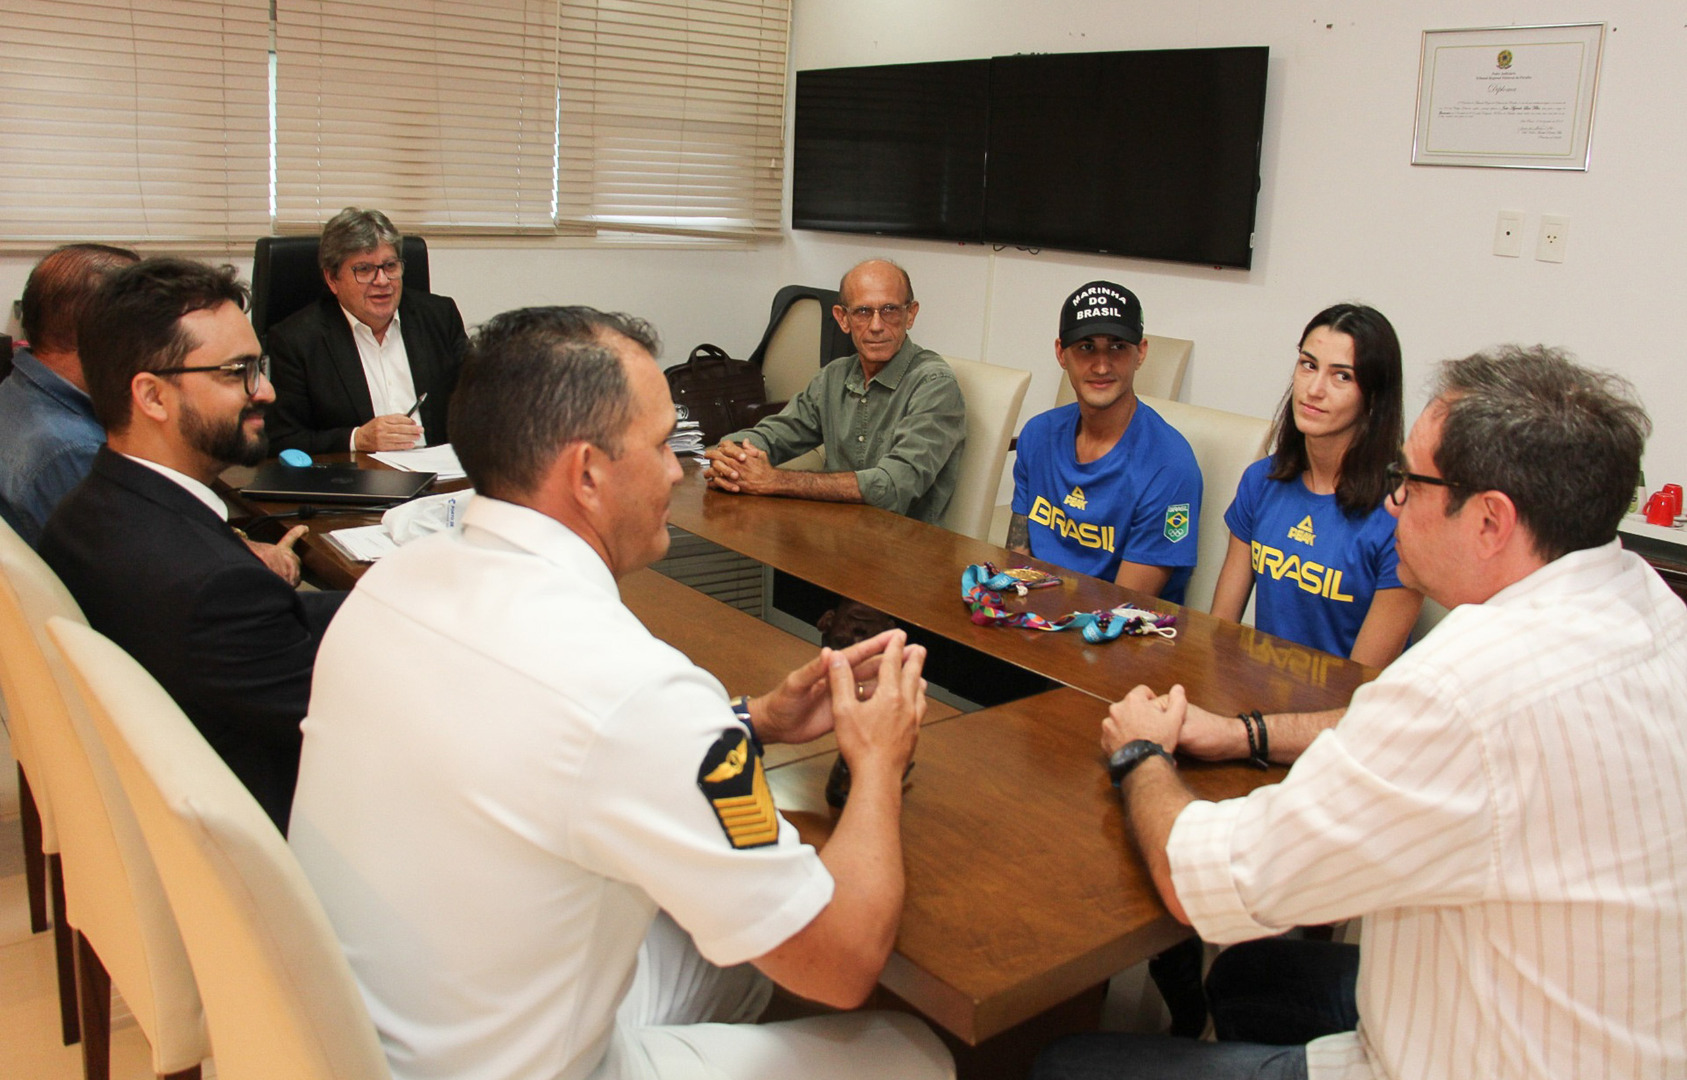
[363,543]
[439,459]
[687,438]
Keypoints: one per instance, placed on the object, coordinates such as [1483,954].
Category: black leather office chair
[285,276]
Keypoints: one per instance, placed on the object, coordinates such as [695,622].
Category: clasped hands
[1170,720]
[740,467]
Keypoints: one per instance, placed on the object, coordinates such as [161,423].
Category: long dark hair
[1376,442]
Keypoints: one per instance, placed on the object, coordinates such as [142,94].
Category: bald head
[875,308]
[875,273]
[60,291]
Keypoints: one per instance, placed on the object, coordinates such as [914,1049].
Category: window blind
[134,120]
[439,112]
[671,115]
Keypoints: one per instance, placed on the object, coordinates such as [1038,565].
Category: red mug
[1673,492]
[1660,509]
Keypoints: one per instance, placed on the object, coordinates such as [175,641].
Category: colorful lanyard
[982,586]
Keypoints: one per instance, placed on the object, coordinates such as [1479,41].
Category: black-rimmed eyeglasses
[364,273]
[250,370]
[1398,477]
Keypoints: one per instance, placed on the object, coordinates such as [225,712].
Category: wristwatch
[1132,754]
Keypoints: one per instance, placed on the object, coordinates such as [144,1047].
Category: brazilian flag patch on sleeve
[731,778]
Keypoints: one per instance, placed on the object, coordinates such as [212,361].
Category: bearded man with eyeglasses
[176,377]
[890,416]
[343,379]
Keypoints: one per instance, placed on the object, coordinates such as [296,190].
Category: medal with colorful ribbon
[982,585]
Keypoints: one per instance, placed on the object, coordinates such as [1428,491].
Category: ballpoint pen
[412,413]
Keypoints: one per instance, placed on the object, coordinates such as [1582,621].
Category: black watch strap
[1132,754]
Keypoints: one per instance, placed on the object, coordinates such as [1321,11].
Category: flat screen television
[1153,153]
[896,150]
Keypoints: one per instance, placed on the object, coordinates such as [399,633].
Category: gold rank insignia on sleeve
[731,778]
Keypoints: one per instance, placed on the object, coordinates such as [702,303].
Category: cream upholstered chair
[1161,375]
[42,869]
[792,357]
[1225,444]
[125,931]
[993,396]
[279,996]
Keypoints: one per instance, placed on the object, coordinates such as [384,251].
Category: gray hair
[1562,441]
[535,380]
[352,232]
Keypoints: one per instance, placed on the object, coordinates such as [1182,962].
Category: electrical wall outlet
[1555,232]
[1508,234]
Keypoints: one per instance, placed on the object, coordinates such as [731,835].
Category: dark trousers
[1268,999]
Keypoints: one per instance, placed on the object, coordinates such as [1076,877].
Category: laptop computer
[335,484]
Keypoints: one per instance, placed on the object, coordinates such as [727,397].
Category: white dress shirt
[1507,809]
[386,368]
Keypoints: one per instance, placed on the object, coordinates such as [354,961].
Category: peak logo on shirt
[1076,499]
[1303,531]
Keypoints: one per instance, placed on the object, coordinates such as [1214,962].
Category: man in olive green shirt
[891,416]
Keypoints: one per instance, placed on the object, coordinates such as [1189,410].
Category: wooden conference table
[1023,889]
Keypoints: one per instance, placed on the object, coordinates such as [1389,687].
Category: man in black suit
[143,544]
[343,380]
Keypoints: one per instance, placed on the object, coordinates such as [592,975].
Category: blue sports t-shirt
[1315,568]
[1136,503]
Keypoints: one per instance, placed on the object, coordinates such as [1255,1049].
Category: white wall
[1343,214]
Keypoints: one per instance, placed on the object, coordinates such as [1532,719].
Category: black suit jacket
[161,575]
[321,393]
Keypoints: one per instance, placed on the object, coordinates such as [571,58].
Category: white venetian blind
[441,113]
[671,115]
[134,120]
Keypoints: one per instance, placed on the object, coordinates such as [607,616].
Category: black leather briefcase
[722,394]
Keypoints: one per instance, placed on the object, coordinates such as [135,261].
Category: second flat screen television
[1153,154]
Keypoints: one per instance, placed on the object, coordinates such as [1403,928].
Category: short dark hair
[535,380]
[907,282]
[1376,442]
[1562,441]
[352,232]
[61,287]
[135,325]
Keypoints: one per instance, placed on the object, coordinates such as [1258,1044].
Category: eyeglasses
[364,273]
[1397,477]
[891,314]
[250,370]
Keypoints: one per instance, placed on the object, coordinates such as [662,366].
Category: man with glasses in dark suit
[343,379]
[144,545]
[891,416]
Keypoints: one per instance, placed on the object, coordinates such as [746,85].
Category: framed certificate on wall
[1516,97]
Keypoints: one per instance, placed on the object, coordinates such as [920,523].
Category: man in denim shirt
[48,433]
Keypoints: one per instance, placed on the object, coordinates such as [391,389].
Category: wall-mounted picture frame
[1508,97]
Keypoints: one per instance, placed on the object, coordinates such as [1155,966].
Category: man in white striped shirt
[1505,807]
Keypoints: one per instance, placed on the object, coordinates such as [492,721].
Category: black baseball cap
[1101,307]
